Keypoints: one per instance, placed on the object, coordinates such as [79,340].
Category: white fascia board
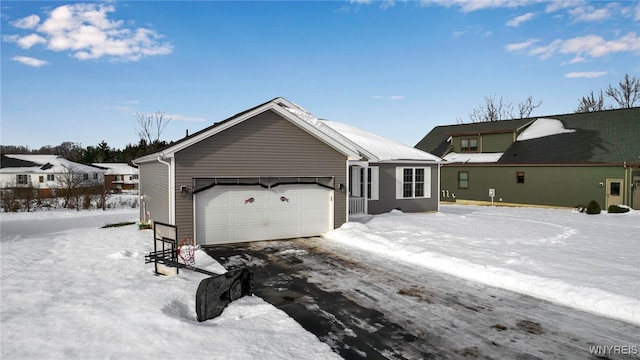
[317,133]
[272,105]
[409,161]
[170,152]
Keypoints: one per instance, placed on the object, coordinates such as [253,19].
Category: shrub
[616,209]
[593,207]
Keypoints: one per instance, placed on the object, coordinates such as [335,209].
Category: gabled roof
[50,164]
[343,138]
[610,136]
[117,168]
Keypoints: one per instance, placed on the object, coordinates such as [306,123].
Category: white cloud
[26,42]
[636,15]
[29,61]
[588,46]
[392,97]
[178,117]
[86,31]
[475,5]
[563,4]
[28,22]
[520,46]
[589,13]
[585,74]
[520,19]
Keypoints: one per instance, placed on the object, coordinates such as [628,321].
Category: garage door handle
[283,199]
[249,200]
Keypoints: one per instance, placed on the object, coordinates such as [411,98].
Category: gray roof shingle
[610,136]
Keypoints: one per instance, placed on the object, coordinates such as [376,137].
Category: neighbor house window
[95,176]
[520,177]
[22,179]
[469,145]
[50,177]
[41,178]
[85,176]
[463,179]
[412,182]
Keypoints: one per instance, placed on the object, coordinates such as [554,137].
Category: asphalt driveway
[363,311]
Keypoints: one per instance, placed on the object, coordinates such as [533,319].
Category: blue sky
[80,71]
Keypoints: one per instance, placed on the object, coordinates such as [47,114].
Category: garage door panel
[249,234]
[288,215]
[250,217]
[226,214]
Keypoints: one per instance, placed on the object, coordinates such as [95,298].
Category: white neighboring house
[119,176]
[46,173]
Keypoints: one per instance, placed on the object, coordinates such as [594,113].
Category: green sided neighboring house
[561,160]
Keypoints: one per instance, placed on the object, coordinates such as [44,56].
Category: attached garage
[275,171]
[239,213]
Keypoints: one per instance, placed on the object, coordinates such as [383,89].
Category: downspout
[346,190]
[439,189]
[626,199]
[170,189]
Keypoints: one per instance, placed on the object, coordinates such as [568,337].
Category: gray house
[275,171]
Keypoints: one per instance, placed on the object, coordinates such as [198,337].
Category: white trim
[375,183]
[272,105]
[400,182]
[171,188]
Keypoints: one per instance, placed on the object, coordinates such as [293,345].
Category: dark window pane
[614,189]
[407,190]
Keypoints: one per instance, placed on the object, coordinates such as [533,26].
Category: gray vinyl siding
[262,146]
[387,191]
[154,184]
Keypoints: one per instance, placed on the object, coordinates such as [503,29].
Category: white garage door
[228,214]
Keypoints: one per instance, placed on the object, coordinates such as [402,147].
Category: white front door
[229,214]
[614,192]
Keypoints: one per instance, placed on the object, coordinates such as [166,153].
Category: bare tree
[69,150]
[627,93]
[495,109]
[526,108]
[150,127]
[73,185]
[589,103]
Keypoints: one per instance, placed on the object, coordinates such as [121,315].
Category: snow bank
[556,255]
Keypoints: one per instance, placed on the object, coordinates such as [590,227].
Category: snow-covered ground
[70,289]
[589,262]
[86,293]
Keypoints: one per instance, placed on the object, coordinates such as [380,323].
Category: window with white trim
[373,183]
[22,179]
[50,177]
[413,182]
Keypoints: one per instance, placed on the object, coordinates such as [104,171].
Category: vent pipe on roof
[187,133]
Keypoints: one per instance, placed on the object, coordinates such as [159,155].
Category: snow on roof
[465,158]
[381,147]
[47,164]
[372,146]
[117,168]
[543,127]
